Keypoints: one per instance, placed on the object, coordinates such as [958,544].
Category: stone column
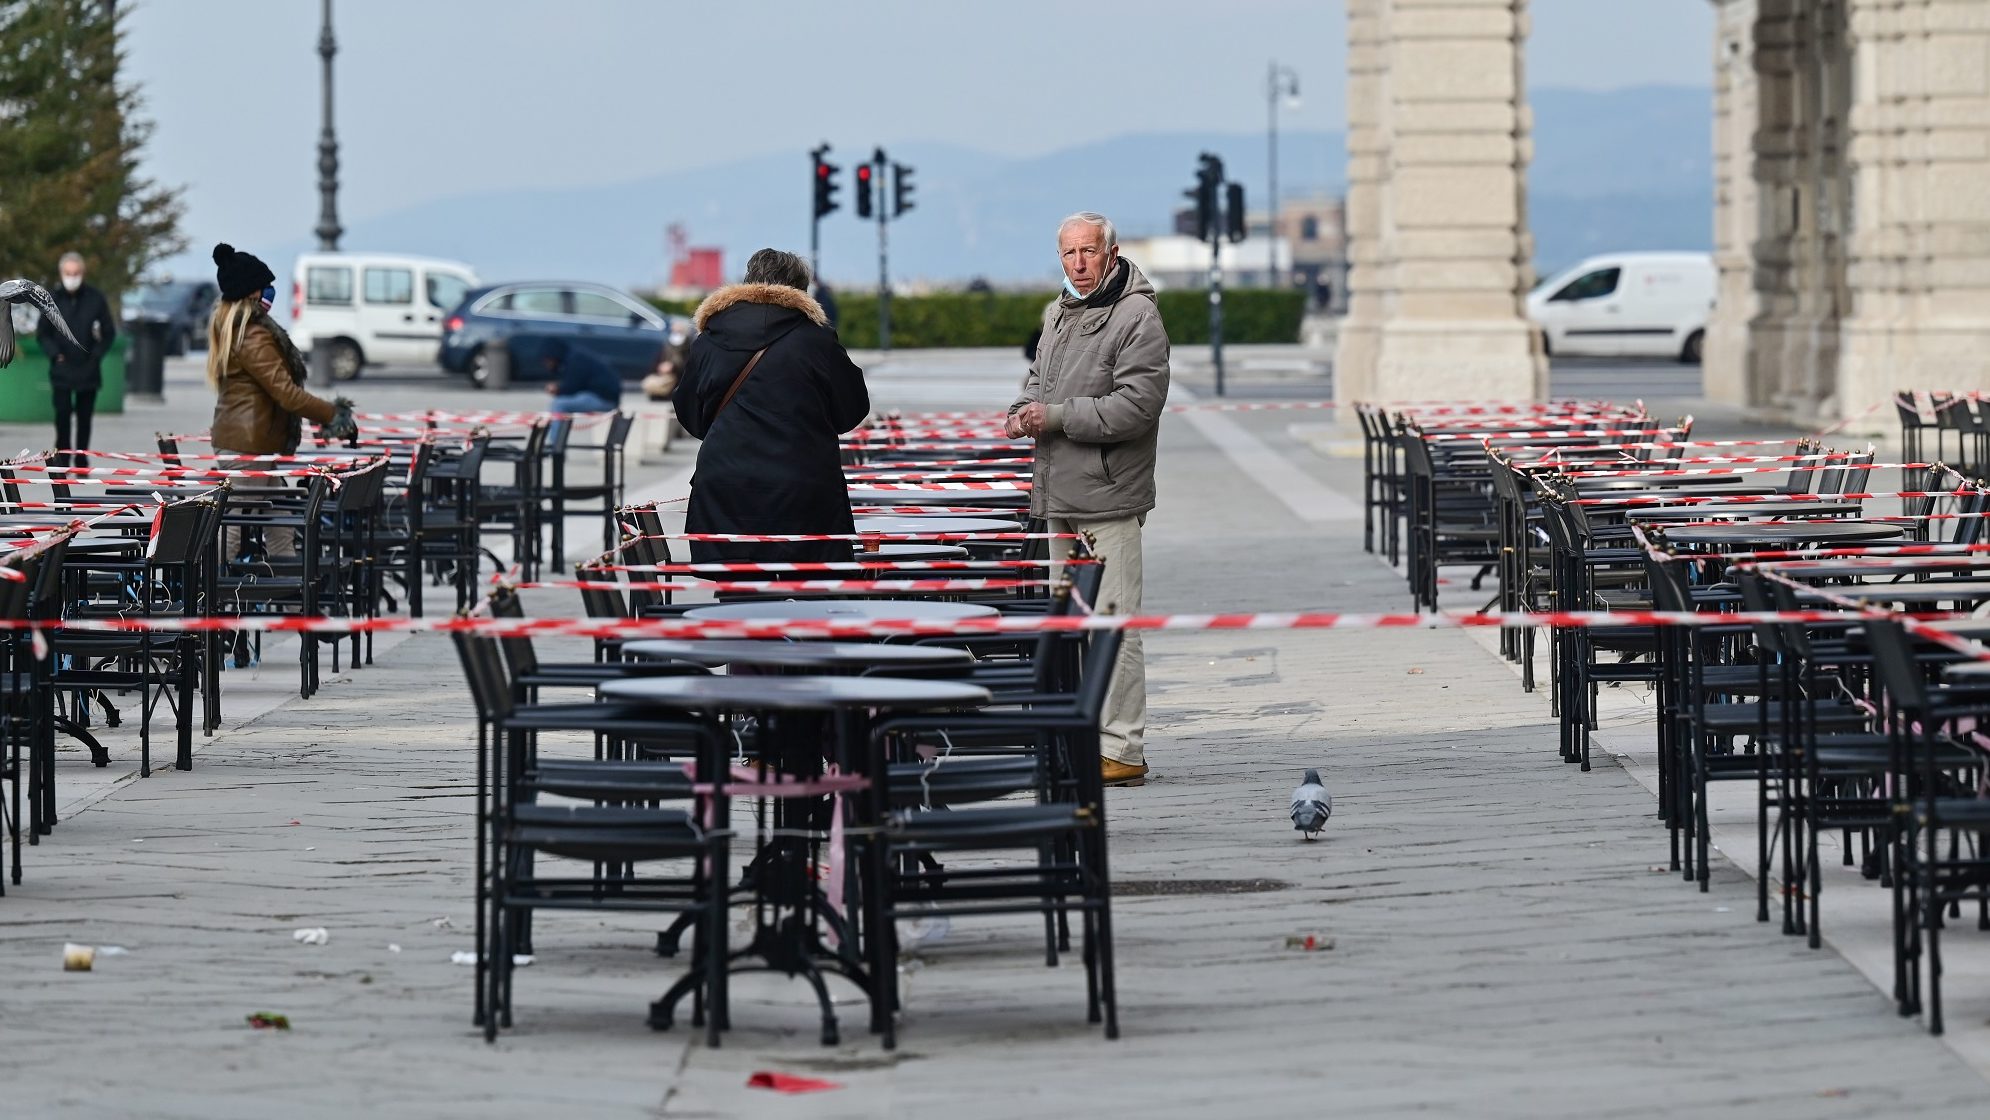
[1920,168]
[1454,238]
[1367,151]
[1724,373]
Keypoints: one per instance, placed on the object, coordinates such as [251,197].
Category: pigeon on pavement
[28,292]
[1311,805]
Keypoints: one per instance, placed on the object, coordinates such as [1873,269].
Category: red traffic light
[863,171]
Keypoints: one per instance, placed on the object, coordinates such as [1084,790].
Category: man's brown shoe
[1118,773]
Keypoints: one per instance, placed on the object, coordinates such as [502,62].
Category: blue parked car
[620,329]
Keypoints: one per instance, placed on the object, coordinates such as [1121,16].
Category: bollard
[321,366]
[145,361]
[497,366]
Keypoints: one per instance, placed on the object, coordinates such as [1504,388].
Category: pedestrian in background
[769,389]
[580,382]
[75,374]
[1092,401]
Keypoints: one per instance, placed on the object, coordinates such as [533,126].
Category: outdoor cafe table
[841,610]
[779,653]
[1781,534]
[994,499]
[910,551]
[1727,483]
[1712,511]
[923,524]
[1916,592]
[793,908]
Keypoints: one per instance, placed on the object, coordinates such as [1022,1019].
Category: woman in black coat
[770,462]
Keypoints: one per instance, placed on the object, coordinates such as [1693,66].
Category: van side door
[1584,315]
[1652,299]
[390,320]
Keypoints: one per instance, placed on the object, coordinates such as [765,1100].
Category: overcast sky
[442,97]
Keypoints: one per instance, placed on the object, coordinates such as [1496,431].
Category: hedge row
[967,319]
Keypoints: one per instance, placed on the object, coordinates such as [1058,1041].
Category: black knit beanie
[240,275]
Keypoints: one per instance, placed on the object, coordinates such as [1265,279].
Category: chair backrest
[483,668]
[601,602]
[176,538]
[1095,676]
[1799,482]
[519,655]
[1894,666]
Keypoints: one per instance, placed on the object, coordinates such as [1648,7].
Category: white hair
[67,258]
[1091,218]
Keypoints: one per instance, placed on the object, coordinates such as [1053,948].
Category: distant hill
[1621,170]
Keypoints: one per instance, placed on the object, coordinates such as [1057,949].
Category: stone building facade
[1852,203]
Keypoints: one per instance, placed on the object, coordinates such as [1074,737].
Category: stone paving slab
[1500,946]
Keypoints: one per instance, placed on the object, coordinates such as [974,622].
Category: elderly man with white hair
[1092,401]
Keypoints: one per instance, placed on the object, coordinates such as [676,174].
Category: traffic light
[1208,180]
[1233,212]
[825,184]
[901,189]
[864,190]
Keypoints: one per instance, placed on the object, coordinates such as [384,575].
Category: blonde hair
[225,329]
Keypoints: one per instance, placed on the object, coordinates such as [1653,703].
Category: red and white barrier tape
[786,538]
[721,567]
[1716,472]
[625,628]
[792,585]
[1701,499]
[935,476]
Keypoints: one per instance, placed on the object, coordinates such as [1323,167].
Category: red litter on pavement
[789,1083]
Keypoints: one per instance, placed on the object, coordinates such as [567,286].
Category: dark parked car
[620,329]
[183,305]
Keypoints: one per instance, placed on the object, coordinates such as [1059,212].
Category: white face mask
[71,283]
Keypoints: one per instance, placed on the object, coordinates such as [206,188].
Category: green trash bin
[24,396]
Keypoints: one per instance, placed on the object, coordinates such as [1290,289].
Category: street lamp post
[328,230]
[328,145]
[1280,81]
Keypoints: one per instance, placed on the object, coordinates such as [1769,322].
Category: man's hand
[1028,420]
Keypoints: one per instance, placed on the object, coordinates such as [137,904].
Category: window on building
[1309,228]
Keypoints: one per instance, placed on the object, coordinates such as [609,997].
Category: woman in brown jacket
[255,371]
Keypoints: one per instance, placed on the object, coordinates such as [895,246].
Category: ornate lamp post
[328,230]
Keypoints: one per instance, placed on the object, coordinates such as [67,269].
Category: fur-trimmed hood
[779,295]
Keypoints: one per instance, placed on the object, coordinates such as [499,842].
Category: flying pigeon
[1311,805]
[26,291]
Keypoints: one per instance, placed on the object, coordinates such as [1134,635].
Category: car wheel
[1690,353]
[346,359]
[479,370]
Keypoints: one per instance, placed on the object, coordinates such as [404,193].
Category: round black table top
[1911,591]
[105,543]
[1782,532]
[1731,483]
[888,524]
[779,653]
[911,551]
[841,610]
[1713,511]
[749,694]
[994,499]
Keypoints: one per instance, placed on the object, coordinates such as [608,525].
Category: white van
[374,308]
[1628,305]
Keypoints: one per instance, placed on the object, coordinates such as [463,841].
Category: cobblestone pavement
[1499,943]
